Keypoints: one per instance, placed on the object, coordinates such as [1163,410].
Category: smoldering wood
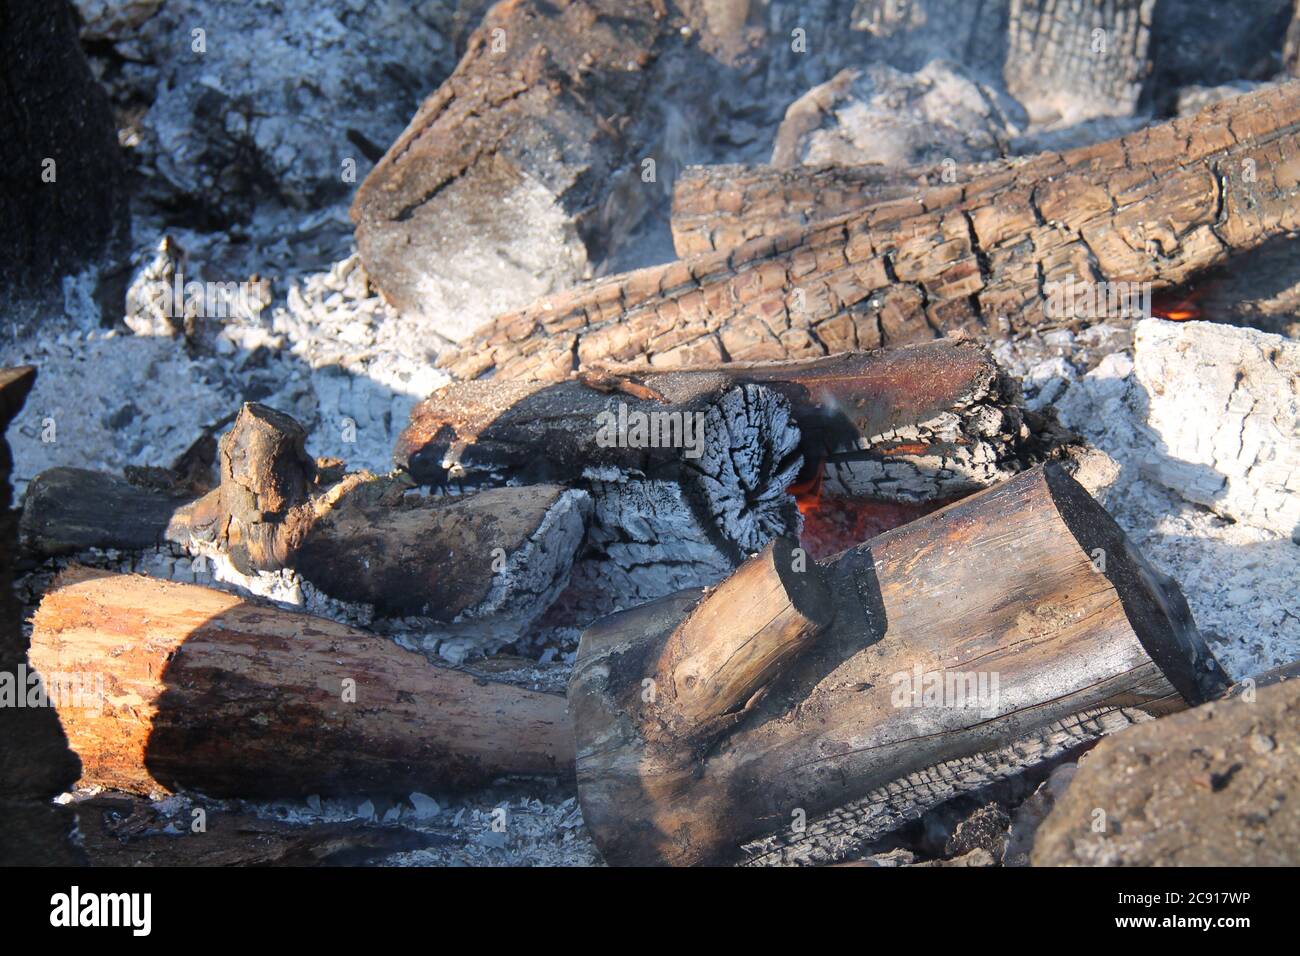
[915,424]
[68,510]
[942,409]
[203,690]
[482,565]
[1160,206]
[1030,581]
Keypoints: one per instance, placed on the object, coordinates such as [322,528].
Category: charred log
[862,724]
[1157,206]
[481,566]
[690,470]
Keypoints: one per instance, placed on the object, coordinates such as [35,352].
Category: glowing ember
[832,523]
[1166,306]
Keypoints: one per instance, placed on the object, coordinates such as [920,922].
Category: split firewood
[1156,206]
[968,645]
[162,686]
[479,566]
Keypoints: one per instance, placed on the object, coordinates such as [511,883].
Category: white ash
[882,115]
[1223,402]
[515,823]
[332,354]
[279,99]
[644,542]
[105,401]
[1238,579]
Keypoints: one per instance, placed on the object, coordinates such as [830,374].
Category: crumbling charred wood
[934,677]
[1156,206]
[1068,62]
[67,510]
[163,687]
[944,408]
[481,565]
[35,762]
[690,470]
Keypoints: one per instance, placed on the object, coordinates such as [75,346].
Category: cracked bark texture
[1071,640]
[717,208]
[1158,206]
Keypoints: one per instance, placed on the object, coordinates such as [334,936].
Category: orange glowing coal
[808,491]
[1165,306]
[832,523]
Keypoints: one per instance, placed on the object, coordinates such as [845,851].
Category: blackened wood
[1029,583]
[66,510]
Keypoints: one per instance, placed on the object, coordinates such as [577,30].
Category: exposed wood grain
[203,690]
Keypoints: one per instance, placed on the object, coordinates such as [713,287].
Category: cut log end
[952,659]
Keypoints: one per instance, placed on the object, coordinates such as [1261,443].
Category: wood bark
[1158,206]
[891,708]
[202,690]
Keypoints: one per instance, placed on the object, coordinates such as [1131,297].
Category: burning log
[163,686]
[934,676]
[943,407]
[1156,206]
[691,470]
[480,566]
